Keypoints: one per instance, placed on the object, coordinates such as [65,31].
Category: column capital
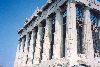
[20,39]
[59,10]
[33,30]
[27,35]
[48,18]
[51,15]
[40,25]
[71,1]
[86,8]
[23,39]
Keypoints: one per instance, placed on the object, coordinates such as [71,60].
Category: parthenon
[62,33]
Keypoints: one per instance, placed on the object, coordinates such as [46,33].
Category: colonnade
[35,46]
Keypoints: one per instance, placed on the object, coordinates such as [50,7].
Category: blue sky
[12,17]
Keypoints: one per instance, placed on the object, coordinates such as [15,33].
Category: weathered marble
[71,39]
[38,48]
[58,39]
[47,40]
[50,37]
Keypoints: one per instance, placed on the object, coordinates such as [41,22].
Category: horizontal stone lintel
[53,7]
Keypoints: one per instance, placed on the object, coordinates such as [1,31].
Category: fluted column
[47,39]
[71,34]
[26,49]
[22,45]
[38,48]
[87,37]
[58,35]
[99,21]
[99,30]
[22,49]
[16,63]
[32,47]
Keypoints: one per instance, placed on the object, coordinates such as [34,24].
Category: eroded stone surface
[61,34]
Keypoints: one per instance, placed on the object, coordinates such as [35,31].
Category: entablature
[51,7]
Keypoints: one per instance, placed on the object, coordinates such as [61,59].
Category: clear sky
[12,17]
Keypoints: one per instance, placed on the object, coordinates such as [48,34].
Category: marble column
[25,58]
[58,35]
[99,21]
[47,40]
[22,45]
[99,40]
[32,47]
[99,26]
[99,31]
[16,63]
[38,48]
[87,36]
[22,49]
[71,34]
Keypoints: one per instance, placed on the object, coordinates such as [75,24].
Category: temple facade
[62,33]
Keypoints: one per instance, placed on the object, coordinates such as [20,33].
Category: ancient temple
[62,33]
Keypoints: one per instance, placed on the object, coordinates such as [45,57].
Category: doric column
[71,34]
[99,21]
[38,48]
[87,36]
[22,49]
[47,39]
[25,58]
[26,43]
[16,63]
[22,45]
[99,33]
[99,28]
[58,35]
[32,47]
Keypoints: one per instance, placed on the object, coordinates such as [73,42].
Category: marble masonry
[62,33]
